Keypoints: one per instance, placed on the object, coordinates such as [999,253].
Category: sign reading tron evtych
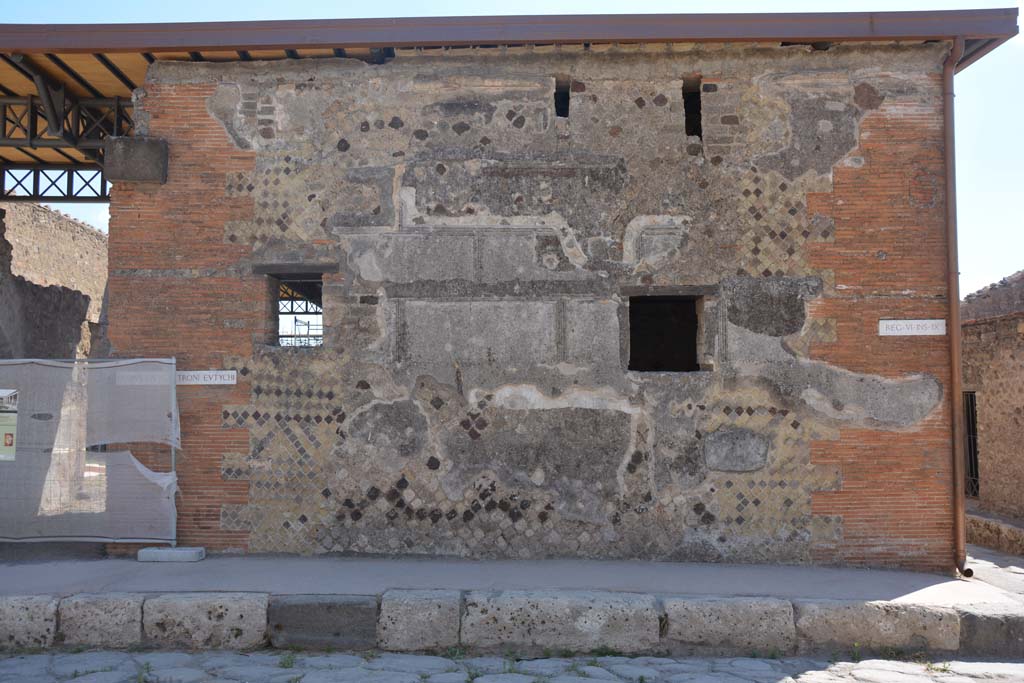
[911,328]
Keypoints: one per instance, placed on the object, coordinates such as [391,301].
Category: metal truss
[53,183]
[82,125]
[57,120]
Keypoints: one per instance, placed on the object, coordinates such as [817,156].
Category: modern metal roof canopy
[64,88]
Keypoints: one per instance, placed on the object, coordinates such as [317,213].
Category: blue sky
[989,104]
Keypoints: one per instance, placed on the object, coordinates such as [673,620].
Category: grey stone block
[109,620]
[838,624]
[735,450]
[772,306]
[992,633]
[135,159]
[738,625]
[177,675]
[451,677]
[419,619]
[360,675]
[580,621]
[206,620]
[634,672]
[171,554]
[417,664]
[256,672]
[79,663]
[165,660]
[409,258]
[27,621]
[543,667]
[478,334]
[341,622]
[24,667]
[108,677]
[592,336]
[331,662]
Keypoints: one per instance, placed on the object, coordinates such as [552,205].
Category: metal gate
[971,450]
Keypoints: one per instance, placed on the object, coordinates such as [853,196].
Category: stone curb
[323,622]
[994,533]
[525,622]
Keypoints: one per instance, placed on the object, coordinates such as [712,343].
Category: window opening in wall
[971,450]
[562,97]
[691,106]
[663,334]
[300,314]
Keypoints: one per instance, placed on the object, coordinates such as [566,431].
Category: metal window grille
[971,451]
[300,315]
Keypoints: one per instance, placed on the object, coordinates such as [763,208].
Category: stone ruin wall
[1000,298]
[471,397]
[53,275]
[993,361]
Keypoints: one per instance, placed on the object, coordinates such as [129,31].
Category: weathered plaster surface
[471,397]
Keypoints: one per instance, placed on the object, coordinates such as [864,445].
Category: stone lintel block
[27,621]
[108,620]
[231,621]
[135,159]
[179,554]
[338,622]
[414,620]
[992,633]
[580,621]
[736,626]
[825,625]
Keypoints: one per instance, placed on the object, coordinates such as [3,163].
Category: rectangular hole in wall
[562,96]
[663,333]
[691,105]
[300,313]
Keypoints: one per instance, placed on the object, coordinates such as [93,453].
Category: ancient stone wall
[38,321]
[473,396]
[1000,298]
[993,361]
[49,248]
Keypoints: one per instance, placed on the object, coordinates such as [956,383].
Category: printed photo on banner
[8,423]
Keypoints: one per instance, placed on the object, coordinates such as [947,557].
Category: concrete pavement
[284,575]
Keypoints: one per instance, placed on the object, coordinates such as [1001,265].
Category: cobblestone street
[289,667]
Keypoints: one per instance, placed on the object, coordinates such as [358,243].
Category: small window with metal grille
[300,313]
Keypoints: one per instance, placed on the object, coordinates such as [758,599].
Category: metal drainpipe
[953,293]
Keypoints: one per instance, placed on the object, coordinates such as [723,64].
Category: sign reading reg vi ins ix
[911,328]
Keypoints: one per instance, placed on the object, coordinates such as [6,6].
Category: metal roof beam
[52,96]
[74,75]
[989,24]
[112,68]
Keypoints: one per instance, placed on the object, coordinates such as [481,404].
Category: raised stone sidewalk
[528,622]
[289,667]
[497,607]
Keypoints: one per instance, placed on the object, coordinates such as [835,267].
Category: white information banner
[911,328]
[207,377]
